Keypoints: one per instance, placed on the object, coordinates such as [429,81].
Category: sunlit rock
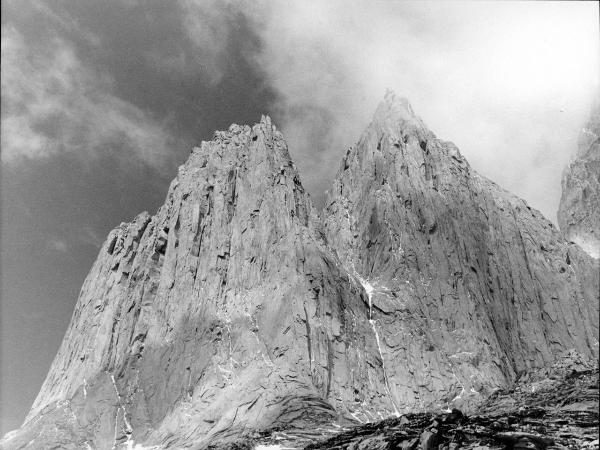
[236,317]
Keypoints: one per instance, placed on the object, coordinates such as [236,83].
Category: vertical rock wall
[236,310]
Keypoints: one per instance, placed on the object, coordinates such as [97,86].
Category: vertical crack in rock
[369,290]
[128,428]
[308,343]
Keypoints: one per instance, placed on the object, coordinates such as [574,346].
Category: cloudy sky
[102,100]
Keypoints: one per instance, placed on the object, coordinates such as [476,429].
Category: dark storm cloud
[52,103]
[140,77]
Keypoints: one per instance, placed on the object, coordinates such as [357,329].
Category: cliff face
[235,312]
[224,312]
[471,286]
[579,210]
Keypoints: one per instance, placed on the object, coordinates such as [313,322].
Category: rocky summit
[238,316]
[579,210]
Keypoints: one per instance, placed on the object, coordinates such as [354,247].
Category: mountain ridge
[236,309]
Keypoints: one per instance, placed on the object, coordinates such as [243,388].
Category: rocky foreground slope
[550,408]
[236,312]
[579,210]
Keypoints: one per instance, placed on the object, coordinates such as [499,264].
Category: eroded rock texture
[236,314]
[553,408]
[470,286]
[579,210]
[224,312]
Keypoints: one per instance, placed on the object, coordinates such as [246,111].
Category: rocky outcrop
[235,314]
[554,408]
[470,286]
[579,210]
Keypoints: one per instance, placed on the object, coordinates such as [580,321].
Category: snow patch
[272,447]
[459,396]
[132,446]
[354,414]
[128,428]
[589,245]
[459,354]
[10,435]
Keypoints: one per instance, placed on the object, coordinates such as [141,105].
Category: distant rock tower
[579,210]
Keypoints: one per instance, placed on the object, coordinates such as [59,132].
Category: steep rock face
[470,286]
[223,314]
[579,209]
[236,314]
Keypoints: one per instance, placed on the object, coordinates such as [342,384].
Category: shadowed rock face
[579,210]
[235,312]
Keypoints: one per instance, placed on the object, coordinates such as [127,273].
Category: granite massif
[237,313]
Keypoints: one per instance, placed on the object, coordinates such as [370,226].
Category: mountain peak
[394,113]
[398,102]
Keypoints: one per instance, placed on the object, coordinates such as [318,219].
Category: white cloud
[58,245]
[207,24]
[509,82]
[52,103]
[88,235]
[64,20]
